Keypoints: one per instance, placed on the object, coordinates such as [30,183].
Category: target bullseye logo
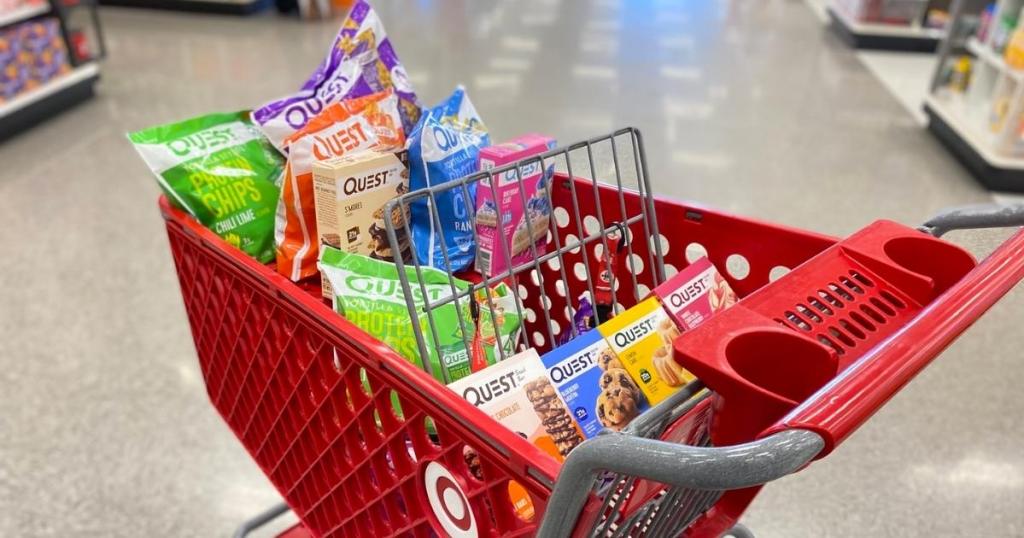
[448,502]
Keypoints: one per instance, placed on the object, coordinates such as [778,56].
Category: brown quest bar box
[350,194]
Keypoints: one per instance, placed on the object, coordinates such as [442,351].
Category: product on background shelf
[31,54]
[344,128]
[502,210]
[695,294]
[361,61]
[985,22]
[1003,29]
[641,338]
[516,392]
[351,192]
[960,76]
[445,146]
[599,393]
[220,169]
[1015,49]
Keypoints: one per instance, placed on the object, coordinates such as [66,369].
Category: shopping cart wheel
[739,531]
[260,520]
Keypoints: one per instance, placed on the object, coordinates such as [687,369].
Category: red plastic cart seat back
[315,401]
[779,345]
[686,233]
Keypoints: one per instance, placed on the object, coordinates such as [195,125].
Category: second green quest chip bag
[369,294]
[221,170]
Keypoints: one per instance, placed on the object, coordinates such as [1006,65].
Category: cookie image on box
[599,392]
[616,406]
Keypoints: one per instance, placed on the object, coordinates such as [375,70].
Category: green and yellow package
[220,169]
[368,293]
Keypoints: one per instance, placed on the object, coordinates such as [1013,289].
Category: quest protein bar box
[350,192]
[694,294]
[642,337]
[595,386]
[516,393]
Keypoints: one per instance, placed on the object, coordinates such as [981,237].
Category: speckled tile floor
[751,106]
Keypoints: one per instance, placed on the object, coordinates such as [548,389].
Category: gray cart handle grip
[692,467]
[975,216]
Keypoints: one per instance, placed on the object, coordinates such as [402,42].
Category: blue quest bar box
[577,369]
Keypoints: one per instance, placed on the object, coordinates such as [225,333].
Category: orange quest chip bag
[370,122]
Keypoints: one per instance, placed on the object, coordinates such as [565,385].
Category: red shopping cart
[826,332]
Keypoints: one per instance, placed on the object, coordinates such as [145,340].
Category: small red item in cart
[694,294]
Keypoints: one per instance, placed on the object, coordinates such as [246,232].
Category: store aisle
[750,105]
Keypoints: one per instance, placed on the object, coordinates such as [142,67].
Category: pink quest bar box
[694,294]
[507,209]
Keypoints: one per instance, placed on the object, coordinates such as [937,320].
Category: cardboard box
[641,337]
[350,192]
[516,393]
[592,382]
[694,294]
[504,217]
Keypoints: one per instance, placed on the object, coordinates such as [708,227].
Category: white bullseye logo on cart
[448,502]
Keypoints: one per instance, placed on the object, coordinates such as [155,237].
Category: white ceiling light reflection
[971,472]
[520,44]
[599,44]
[497,81]
[608,25]
[500,63]
[678,42]
[697,159]
[589,124]
[601,72]
[532,18]
[675,72]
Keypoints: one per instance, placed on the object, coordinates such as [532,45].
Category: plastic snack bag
[444,146]
[361,61]
[222,171]
[368,293]
[346,127]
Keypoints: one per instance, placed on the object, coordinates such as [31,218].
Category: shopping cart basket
[795,367]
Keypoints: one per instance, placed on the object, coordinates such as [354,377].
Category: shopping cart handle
[842,405]
[683,466]
[975,216]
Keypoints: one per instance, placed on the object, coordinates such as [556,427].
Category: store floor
[751,106]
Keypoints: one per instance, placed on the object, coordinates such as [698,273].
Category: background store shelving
[976,102]
[82,42]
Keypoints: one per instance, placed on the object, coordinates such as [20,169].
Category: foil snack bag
[222,171]
[361,61]
[343,128]
[444,146]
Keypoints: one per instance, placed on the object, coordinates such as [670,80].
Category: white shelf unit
[987,142]
[22,13]
[884,36]
[24,100]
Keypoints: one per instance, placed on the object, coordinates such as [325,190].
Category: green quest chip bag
[369,294]
[221,170]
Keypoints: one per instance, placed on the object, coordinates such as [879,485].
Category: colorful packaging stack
[31,54]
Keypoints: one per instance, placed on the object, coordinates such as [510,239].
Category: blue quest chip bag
[443,146]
